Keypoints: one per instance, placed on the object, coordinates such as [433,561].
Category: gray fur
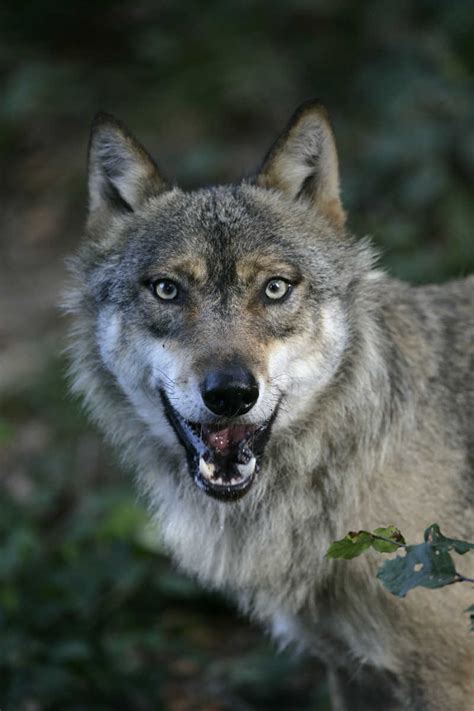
[374,427]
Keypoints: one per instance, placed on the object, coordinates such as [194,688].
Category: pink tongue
[223,440]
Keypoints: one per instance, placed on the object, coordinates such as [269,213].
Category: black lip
[194,448]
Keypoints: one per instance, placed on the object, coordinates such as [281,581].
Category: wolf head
[214,319]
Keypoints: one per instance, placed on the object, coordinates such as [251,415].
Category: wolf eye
[277,288]
[165,289]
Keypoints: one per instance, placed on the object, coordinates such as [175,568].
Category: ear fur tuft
[302,163]
[121,172]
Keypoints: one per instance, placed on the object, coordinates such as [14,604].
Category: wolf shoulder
[430,331]
[436,320]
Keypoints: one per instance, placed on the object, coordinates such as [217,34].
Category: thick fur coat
[366,381]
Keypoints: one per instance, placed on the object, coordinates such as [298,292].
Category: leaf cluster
[428,564]
[383,540]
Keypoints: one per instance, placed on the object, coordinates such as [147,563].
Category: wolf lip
[223,458]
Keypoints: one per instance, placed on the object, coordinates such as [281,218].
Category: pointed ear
[121,173]
[302,163]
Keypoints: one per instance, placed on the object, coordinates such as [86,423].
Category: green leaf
[434,536]
[422,566]
[350,546]
[6,431]
[393,534]
[356,543]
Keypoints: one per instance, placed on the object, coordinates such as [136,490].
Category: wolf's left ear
[121,173]
[302,163]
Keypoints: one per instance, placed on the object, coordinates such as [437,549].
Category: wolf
[273,389]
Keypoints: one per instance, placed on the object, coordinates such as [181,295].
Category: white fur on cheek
[128,364]
[143,366]
[303,368]
[109,327]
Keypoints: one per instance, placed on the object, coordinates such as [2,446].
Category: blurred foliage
[91,615]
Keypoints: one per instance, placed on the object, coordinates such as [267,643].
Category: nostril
[250,396]
[216,398]
[230,392]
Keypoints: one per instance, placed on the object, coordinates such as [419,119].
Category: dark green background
[92,615]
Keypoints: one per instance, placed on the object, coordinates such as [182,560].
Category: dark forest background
[92,614]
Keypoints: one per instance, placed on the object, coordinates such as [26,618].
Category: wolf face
[204,302]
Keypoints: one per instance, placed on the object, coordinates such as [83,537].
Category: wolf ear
[121,173]
[302,163]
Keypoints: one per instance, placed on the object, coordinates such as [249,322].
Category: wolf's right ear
[302,163]
[121,173]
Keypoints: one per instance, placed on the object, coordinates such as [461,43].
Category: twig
[463,579]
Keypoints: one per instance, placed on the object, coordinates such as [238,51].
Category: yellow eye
[165,289]
[277,288]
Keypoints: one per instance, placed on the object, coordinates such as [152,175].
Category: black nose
[229,392]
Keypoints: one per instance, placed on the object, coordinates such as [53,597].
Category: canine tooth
[206,470]
[247,469]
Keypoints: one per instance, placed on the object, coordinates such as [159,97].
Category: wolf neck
[317,484]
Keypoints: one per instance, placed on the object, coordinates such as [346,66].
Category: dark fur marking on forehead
[195,269]
[238,230]
[220,258]
[249,268]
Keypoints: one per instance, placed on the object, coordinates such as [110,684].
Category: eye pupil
[166,289]
[277,289]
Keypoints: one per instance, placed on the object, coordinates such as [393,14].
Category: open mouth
[223,458]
